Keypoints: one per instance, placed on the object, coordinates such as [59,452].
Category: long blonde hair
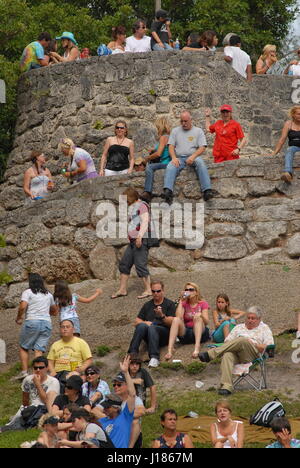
[196,287]
[293,111]
[163,126]
[67,144]
[266,50]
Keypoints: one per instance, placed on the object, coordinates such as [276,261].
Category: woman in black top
[118,153]
[291,131]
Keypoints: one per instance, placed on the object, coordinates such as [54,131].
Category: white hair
[256,311]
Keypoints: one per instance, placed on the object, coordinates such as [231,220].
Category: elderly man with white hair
[245,343]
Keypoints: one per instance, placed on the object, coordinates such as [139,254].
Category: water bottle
[177,44]
[186,294]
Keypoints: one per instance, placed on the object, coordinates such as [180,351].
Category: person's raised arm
[124,366]
[88,300]
[207,119]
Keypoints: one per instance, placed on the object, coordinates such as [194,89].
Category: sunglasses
[117,385]
[120,128]
[156,291]
[39,367]
[190,289]
[88,374]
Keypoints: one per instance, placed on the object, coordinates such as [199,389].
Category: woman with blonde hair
[290,131]
[190,323]
[266,61]
[81,165]
[118,153]
[159,156]
[226,433]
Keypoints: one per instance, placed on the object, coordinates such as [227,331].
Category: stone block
[293,246]
[225,248]
[267,234]
[102,262]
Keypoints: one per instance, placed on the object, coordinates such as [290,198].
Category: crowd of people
[76,408]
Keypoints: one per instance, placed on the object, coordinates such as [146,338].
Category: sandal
[116,296]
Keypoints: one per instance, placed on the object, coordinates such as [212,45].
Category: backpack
[31,415]
[267,413]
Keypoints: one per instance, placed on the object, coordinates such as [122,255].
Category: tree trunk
[157,5]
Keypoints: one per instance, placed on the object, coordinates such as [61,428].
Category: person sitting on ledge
[37,179]
[290,131]
[117,45]
[244,344]
[193,42]
[190,323]
[264,64]
[186,144]
[153,323]
[228,133]
[171,439]
[139,42]
[158,158]
[70,46]
[160,31]
[237,58]
[33,55]
[118,153]
[81,165]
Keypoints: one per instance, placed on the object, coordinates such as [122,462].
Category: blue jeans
[156,336]
[289,158]
[166,47]
[150,169]
[199,165]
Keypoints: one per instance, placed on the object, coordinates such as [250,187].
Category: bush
[195,368]
[103,351]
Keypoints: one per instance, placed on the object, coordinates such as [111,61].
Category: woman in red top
[228,133]
[190,323]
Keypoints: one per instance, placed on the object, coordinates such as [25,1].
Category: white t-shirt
[69,312]
[138,45]
[295,70]
[240,60]
[38,305]
[51,384]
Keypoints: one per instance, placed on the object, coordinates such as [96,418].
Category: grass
[103,351]
[243,403]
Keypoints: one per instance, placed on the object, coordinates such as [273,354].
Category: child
[224,318]
[67,303]
[49,436]
[282,430]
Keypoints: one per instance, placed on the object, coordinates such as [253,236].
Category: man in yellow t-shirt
[69,354]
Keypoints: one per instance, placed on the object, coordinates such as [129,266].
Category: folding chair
[245,374]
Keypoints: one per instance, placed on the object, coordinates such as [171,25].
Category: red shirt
[227,137]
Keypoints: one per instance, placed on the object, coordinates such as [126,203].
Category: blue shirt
[119,429]
[294,444]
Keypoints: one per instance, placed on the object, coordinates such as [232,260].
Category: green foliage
[103,351]
[195,368]
[2,241]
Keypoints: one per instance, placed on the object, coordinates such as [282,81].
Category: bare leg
[123,286]
[198,330]
[177,329]
[226,331]
[38,353]
[147,286]
[24,357]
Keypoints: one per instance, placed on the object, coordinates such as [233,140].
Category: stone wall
[253,216]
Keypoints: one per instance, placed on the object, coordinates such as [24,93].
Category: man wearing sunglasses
[153,324]
[39,389]
[139,42]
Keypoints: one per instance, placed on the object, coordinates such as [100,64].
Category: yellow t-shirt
[68,356]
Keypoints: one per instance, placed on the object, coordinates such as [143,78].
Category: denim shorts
[189,336]
[35,335]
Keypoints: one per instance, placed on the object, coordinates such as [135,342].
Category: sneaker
[168,196]
[204,357]
[224,392]
[146,196]
[208,195]
[20,376]
[287,177]
[153,362]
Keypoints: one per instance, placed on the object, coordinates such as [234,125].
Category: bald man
[186,144]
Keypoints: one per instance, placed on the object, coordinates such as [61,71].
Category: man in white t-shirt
[239,60]
[139,42]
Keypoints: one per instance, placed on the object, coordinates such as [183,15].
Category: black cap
[162,14]
[120,378]
[111,400]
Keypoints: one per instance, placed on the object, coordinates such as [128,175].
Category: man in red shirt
[228,133]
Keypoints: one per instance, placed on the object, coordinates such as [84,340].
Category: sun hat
[112,400]
[67,35]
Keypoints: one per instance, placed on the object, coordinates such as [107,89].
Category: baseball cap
[226,107]
[120,378]
[111,400]
[161,14]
